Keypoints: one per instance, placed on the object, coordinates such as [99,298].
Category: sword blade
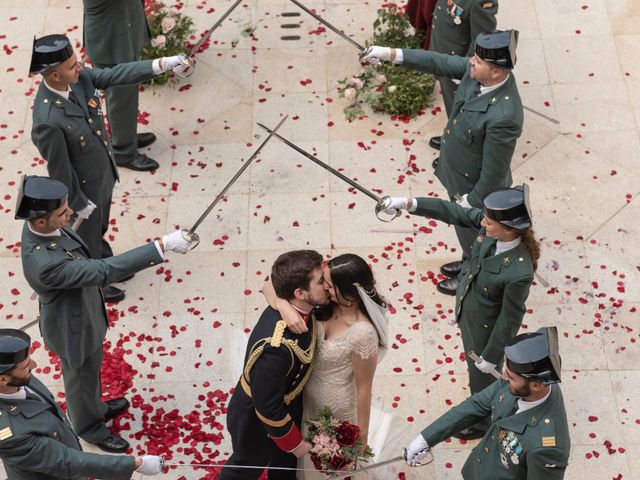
[323,165]
[235,177]
[204,38]
[331,27]
[364,469]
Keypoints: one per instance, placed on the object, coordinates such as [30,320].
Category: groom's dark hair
[292,270]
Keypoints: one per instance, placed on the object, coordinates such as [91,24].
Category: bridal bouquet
[169,31]
[335,443]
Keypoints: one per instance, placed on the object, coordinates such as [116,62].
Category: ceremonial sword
[477,359]
[188,59]
[191,235]
[382,203]
[331,27]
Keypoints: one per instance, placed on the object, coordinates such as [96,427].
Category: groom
[265,411]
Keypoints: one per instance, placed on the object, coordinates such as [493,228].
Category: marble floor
[176,344]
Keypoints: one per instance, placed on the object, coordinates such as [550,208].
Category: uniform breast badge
[455,11]
[510,448]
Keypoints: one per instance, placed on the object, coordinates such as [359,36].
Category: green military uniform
[454,29]
[480,136]
[73,319]
[37,443]
[531,445]
[115,31]
[72,137]
[490,300]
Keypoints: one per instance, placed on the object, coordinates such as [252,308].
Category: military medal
[457,20]
[92,103]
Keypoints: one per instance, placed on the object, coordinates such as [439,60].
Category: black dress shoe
[112,294]
[113,444]
[145,139]
[434,142]
[141,163]
[448,286]
[451,269]
[116,407]
[469,434]
[434,164]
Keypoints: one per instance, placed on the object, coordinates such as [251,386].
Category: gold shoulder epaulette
[276,338]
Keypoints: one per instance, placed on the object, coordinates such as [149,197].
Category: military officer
[529,437]
[36,439]
[69,131]
[58,266]
[265,411]
[115,31]
[454,28]
[490,300]
[481,133]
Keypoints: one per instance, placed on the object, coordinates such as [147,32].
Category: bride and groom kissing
[316,345]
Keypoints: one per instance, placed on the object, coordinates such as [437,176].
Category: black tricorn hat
[38,196]
[49,51]
[535,356]
[14,348]
[509,206]
[498,47]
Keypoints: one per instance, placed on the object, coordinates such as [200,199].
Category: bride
[351,339]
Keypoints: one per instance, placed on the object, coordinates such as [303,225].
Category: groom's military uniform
[265,411]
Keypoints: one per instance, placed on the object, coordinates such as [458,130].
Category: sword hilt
[427,451]
[382,206]
[186,69]
[191,237]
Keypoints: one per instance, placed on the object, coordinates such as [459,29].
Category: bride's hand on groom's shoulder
[294,322]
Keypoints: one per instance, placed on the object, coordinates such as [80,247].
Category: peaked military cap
[38,196]
[49,51]
[509,206]
[535,355]
[498,47]
[14,348]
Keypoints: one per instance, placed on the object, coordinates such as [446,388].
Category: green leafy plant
[170,31]
[389,89]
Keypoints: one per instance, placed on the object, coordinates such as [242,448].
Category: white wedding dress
[332,381]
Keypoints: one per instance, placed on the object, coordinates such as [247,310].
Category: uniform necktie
[72,98]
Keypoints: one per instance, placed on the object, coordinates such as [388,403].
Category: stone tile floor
[178,339]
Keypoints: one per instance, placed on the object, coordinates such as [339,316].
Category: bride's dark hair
[346,270]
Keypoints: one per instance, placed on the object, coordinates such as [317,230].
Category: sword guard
[383,205]
[428,454]
[192,238]
[186,69]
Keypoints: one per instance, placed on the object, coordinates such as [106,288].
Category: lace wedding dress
[332,382]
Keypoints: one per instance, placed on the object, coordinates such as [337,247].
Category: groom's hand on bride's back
[302,449]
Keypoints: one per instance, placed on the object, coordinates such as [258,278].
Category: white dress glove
[416,451]
[176,242]
[395,203]
[151,465]
[484,366]
[463,202]
[175,63]
[377,55]
[86,212]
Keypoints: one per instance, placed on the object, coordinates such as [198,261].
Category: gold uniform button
[478,459]
[90,120]
[507,97]
[81,138]
[455,121]
[105,142]
[84,181]
[486,449]
[547,421]
[55,434]
[448,132]
[462,110]
[46,100]
[99,132]
[466,174]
